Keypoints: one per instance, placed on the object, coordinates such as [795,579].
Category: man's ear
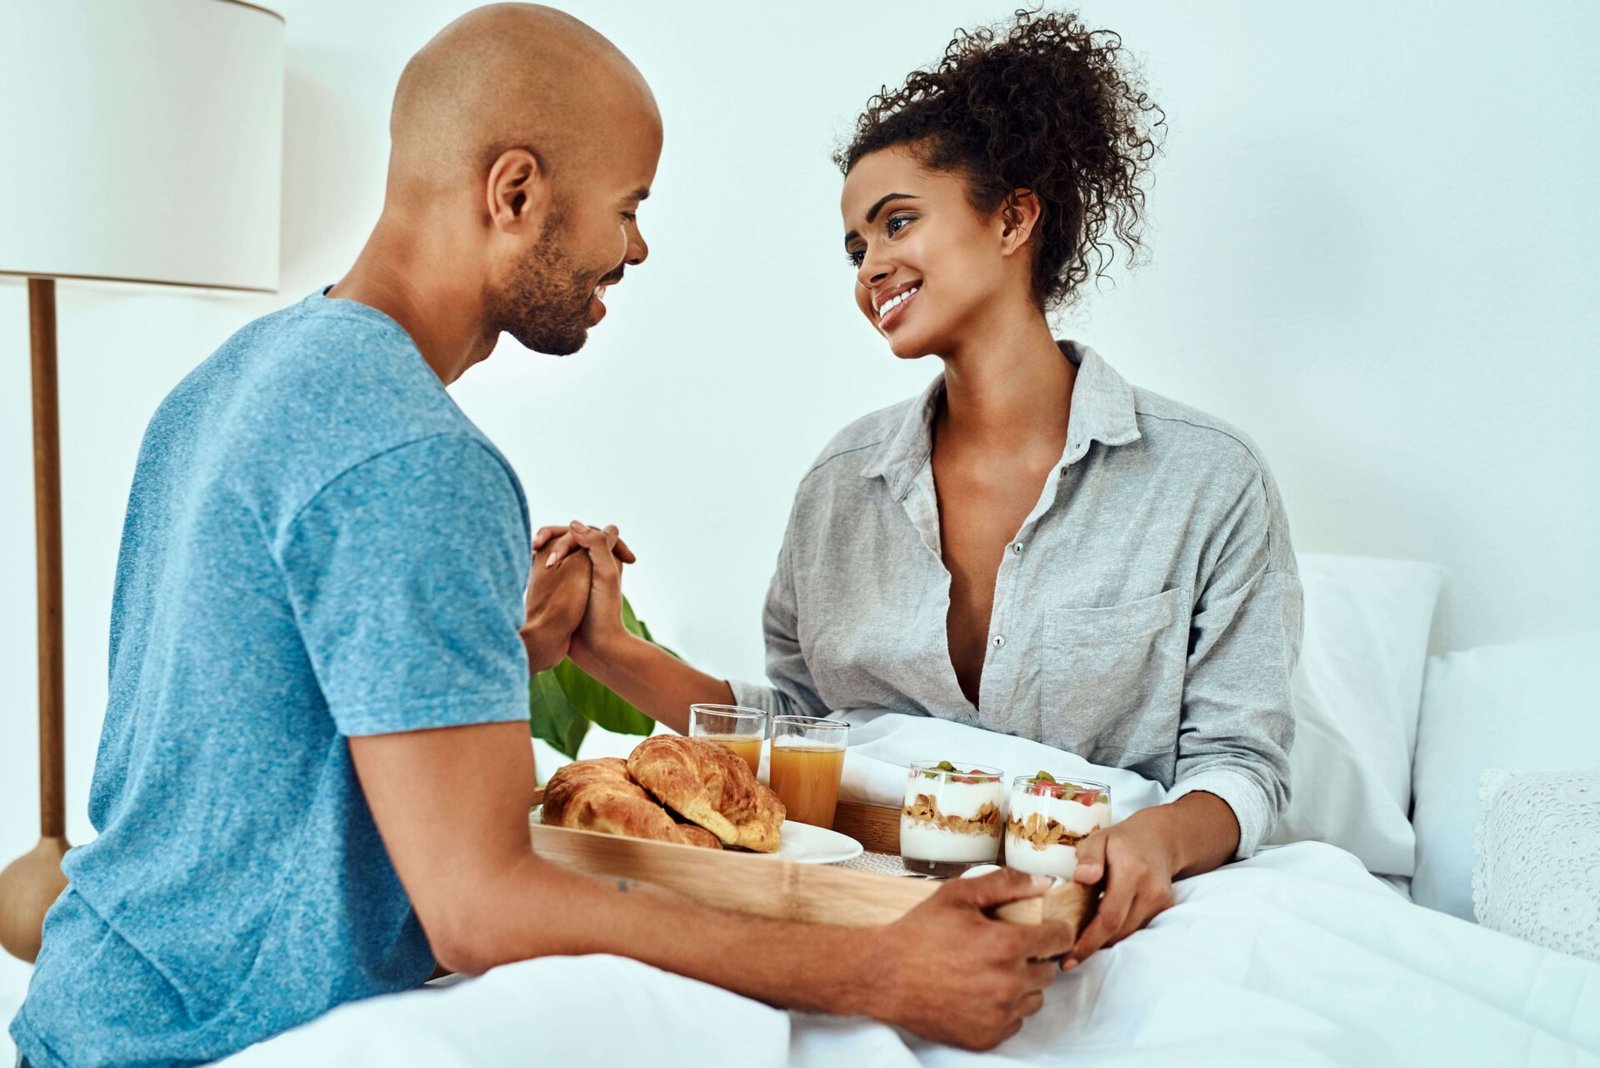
[517,191]
[1018,216]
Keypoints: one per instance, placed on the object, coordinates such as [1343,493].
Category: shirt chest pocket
[1111,681]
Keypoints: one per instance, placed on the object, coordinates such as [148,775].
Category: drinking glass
[740,729]
[1047,819]
[807,761]
[952,817]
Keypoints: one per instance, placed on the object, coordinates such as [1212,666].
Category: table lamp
[142,143]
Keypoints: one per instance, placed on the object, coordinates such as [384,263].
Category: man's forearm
[653,680]
[535,908]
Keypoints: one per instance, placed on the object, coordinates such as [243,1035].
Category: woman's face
[929,266]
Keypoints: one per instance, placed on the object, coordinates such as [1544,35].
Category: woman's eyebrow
[872,212]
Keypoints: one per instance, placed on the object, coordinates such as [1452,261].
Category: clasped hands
[574,598]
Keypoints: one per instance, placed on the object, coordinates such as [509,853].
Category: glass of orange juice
[740,729]
[807,763]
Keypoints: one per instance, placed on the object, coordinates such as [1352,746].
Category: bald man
[314,777]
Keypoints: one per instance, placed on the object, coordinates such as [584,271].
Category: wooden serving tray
[766,886]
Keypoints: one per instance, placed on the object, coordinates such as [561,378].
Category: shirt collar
[1102,401]
[1102,410]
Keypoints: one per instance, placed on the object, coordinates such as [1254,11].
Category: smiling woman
[1032,545]
[1047,113]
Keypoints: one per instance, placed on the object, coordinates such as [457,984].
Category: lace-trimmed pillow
[1537,875]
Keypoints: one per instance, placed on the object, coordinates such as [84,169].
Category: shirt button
[999,640]
[1016,548]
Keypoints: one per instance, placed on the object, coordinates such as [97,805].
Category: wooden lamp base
[28,887]
[31,883]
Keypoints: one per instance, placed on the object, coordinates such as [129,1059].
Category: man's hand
[952,974]
[557,597]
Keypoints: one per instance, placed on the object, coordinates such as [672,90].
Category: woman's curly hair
[1043,104]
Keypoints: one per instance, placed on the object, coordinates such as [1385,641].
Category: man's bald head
[523,144]
[502,77]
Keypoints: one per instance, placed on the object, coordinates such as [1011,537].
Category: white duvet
[1296,956]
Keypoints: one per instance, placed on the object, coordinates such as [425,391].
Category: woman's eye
[855,256]
[896,223]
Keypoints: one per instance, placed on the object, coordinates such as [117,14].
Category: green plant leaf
[552,718]
[600,704]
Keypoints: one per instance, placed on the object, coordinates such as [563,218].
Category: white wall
[1374,248]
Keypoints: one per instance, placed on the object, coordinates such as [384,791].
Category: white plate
[805,844]
[799,842]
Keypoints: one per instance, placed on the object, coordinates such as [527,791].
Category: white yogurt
[920,841]
[930,841]
[1024,856]
[1059,858]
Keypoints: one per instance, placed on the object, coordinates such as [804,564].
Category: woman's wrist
[603,655]
[1162,828]
[1199,831]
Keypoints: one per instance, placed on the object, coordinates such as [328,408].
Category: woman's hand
[558,543]
[1138,858]
[1134,859]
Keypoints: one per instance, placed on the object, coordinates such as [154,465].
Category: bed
[1349,939]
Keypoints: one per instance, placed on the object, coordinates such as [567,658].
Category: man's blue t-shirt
[318,544]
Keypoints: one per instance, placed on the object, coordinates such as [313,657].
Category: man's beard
[546,306]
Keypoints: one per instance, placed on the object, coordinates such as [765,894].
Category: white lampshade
[141,140]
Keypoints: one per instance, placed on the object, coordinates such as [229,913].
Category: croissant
[710,786]
[598,795]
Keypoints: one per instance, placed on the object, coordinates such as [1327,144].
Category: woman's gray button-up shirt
[1147,616]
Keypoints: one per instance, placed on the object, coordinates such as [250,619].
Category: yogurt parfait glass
[952,817]
[1048,817]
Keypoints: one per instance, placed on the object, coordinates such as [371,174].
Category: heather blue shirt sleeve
[406,575]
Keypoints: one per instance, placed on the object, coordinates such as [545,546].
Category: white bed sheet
[1295,957]
[595,1010]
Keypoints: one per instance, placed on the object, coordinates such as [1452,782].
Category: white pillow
[1530,705]
[1356,691]
[1538,858]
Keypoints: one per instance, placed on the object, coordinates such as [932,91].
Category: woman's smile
[891,305]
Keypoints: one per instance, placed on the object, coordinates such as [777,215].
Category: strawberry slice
[1086,798]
